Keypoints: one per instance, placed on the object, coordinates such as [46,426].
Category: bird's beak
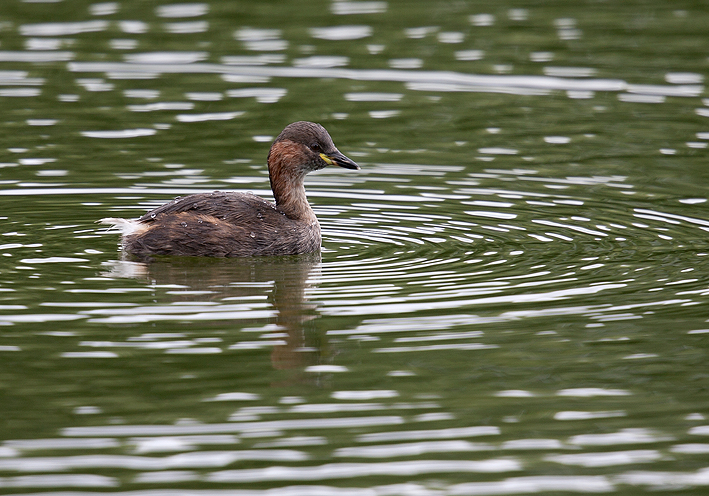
[337,158]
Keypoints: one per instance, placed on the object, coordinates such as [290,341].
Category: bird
[234,224]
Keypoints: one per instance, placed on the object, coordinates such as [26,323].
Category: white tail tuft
[124,225]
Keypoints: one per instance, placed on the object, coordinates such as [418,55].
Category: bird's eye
[316,147]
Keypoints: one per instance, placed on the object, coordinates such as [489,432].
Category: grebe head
[309,147]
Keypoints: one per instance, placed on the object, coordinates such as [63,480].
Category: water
[512,293]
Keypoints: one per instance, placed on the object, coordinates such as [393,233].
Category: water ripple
[415,79]
[349,470]
[527,260]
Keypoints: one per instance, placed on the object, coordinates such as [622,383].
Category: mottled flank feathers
[218,225]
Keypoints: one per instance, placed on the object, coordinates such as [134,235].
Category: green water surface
[512,294]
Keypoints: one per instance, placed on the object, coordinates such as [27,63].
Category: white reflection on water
[182,10]
[692,448]
[359,407]
[570,227]
[215,116]
[61,443]
[592,392]
[514,393]
[606,459]
[322,61]
[147,345]
[41,122]
[440,337]
[409,63]
[451,37]
[445,433]
[665,481]
[341,32]
[410,449]
[194,459]
[18,78]
[103,8]
[157,106]
[363,395]
[262,95]
[632,98]
[428,302]
[436,347]
[217,314]
[396,324]
[20,92]
[469,55]
[326,369]
[536,484]
[261,39]
[576,415]
[383,114]
[124,133]
[373,97]
[349,470]
[44,317]
[187,27]
[204,96]
[572,72]
[133,27]
[166,57]
[52,260]
[270,58]
[235,396]
[686,90]
[59,480]
[343,7]
[498,151]
[482,20]
[670,218]
[243,427]
[624,436]
[63,28]
[89,354]
[684,78]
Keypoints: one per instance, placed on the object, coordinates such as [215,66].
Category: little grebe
[223,224]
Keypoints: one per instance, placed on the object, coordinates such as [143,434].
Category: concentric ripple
[496,238]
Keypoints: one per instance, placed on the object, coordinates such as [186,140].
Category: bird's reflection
[284,280]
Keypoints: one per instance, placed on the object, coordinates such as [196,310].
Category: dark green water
[512,295]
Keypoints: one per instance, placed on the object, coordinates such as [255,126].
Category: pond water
[513,292]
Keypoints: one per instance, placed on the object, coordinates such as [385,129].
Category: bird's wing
[221,205]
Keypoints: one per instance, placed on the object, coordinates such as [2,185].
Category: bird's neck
[287,182]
